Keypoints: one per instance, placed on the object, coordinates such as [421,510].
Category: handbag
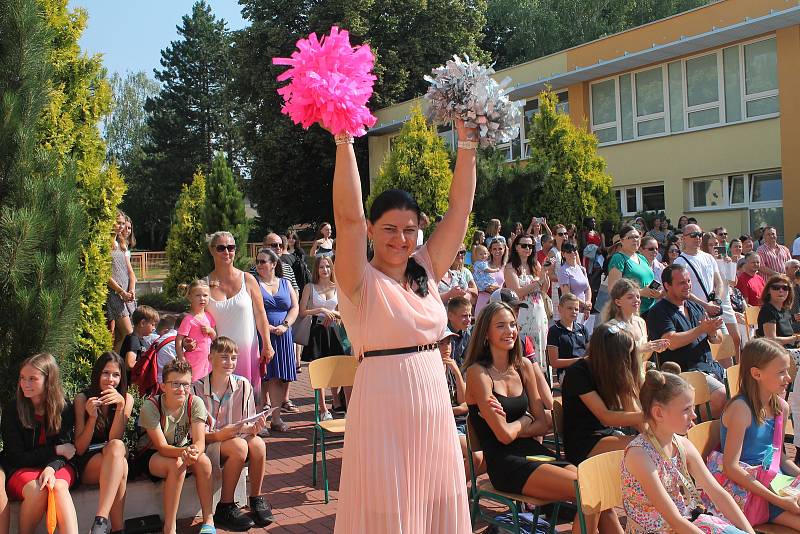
[737,300]
[301,328]
[755,507]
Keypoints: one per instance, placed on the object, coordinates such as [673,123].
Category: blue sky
[130,34]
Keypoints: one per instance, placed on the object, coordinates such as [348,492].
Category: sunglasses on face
[674,251]
[562,234]
[780,288]
[651,249]
[223,248]
[528,246]
[274,245]
[461,253]
[722,233]
[694,234]
[262,262]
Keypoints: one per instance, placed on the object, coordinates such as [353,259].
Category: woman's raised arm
[448,235]
[351,223]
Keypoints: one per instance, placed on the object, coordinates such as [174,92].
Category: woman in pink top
[402,470]
[198,325]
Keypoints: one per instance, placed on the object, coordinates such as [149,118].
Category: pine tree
[80,98]
[575,183]
[187,253]
[418,163]
[42,221]
[224,209]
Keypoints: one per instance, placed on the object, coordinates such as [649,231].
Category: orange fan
[51,520]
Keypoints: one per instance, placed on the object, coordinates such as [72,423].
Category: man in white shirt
[703,270]
[796,248]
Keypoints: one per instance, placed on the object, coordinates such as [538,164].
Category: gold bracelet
[343,139]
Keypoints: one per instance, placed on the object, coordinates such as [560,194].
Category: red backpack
[145,373]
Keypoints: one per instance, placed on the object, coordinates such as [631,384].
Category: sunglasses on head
[694,234]
[223,248]
[528,246]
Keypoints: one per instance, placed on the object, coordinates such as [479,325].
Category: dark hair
[568,247]
[397,199]
[745,237]
[666,275]
[625,230]
[274,258]
[94,390]
[660,388]
[298,248]
[692,220]
[478,349]
[775,280]
[516,261]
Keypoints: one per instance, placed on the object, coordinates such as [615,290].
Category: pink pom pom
[331,83]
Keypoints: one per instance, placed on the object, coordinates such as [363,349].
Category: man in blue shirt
[689,330]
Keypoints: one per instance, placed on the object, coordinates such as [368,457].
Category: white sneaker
[327,416]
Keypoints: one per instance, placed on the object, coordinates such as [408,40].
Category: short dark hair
[181,367]
[745,237]
[666,275]
[692,220]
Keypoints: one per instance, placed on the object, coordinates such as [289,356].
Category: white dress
[235,319]
[533,319]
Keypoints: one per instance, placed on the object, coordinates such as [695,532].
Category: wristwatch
[285,323]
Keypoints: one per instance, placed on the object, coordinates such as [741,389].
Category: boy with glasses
[174,443]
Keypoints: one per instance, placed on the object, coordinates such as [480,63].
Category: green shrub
[164,302]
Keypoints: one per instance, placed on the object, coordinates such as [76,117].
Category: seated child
[37,429]
[567,338]
[198,325]
[175,426]
[101,416]
[165,342]
[482,271]
[144,320]
[662,469]
[752,422]
[229,399]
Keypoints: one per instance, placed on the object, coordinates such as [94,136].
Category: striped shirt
[236,403]
[774,258]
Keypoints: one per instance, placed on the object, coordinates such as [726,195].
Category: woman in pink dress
[498,256]
[402,471]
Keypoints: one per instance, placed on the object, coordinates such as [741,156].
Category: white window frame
[719,103]
[623,189]
[509,151]
[742,75]
[726,200]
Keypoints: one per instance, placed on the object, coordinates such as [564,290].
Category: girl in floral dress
[662,471]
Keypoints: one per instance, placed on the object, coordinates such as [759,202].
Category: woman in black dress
[497,373]
[775,317]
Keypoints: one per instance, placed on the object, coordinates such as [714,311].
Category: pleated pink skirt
[402,471]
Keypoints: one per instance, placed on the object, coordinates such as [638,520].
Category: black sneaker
[100,526]
[229,517]
[261,510]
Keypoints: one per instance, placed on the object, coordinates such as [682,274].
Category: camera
[655,286]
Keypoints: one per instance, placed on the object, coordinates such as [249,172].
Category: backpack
[145,373]
[140,432]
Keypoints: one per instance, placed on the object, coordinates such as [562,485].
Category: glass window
[651,127]
[446,133]
[733,89]
[649,92]
[604,103]
[506,150]
[606,135]
[762,106]
[707,193]
[766,187]
[701,80]
[618,198]
[653,198]
[675,96]
[760,66]
[703,118]
[630,200]
[626,106]
[736,189]
[770,216]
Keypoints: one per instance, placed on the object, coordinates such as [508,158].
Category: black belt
[401,350]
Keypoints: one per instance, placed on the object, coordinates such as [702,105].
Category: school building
[695,114]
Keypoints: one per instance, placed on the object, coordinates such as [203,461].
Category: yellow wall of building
[789,91]
[673,159]
[698,21]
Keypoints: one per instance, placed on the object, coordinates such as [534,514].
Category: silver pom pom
[465,90]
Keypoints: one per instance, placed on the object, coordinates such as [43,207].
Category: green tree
[42,219]
[224,209]
[419,163]
[187,253]
[191,118]
[574,179]
[79,99]
[126,126]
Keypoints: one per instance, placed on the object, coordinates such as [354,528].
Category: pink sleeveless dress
[402,471]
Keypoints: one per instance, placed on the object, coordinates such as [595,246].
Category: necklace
[502,373]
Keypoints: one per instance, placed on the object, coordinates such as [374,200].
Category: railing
[153,265]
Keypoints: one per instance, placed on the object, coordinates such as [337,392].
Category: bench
[143,497]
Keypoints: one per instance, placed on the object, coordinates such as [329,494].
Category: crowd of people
[606,321]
